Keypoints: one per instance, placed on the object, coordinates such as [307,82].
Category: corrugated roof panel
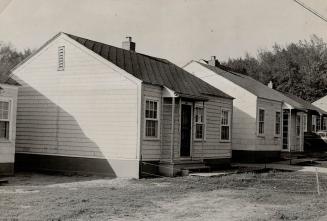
[152,70]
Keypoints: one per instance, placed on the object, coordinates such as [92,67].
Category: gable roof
[306,104]
[252,85]
[152,70]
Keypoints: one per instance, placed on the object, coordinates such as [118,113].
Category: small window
[277,123]
[318,123]
[261,127]
[4,120]
[151,119]
[324,123]
[225,125]
[61,58]
[298,125]
[314,123]
[305,123]
[199,123]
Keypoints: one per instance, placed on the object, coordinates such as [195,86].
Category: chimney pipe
[270,84]
[213,61]
[129,44]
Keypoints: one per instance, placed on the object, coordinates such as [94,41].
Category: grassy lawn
[247,196]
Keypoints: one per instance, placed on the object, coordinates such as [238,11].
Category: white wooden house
[321,119]
[89,107]
[8,104]
[265,122]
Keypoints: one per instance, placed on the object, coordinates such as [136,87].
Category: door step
[175,168]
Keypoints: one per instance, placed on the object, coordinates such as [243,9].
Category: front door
[186,127]
[285,129]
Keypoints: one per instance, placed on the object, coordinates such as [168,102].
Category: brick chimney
[270,84]
[128,44]
[213,61]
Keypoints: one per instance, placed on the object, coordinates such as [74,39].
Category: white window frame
[61,64]
[305,122]
[314,122]
[229,111]
[324,123]
[258,122]
[10,119]
[152,119]
[280,123]
[203,123]
[297,124]
[318,124]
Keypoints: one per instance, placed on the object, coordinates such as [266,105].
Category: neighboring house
[265,122]
[8,108]
[89,107]
[322,105]
[316,117]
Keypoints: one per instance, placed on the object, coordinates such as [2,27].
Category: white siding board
[89,106]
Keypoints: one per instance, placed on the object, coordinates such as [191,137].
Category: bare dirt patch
[263,196]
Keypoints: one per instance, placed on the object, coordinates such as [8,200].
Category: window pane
[199,131]
[151,128]
[225,132]
[4,130]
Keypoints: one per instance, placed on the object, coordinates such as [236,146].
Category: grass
[248,196]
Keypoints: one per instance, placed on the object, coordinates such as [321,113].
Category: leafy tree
[10,57]
[298,68]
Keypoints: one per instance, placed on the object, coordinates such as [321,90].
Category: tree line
[297,68]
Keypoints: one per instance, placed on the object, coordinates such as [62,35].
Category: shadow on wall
[314,143]
[49,139]
[247,146]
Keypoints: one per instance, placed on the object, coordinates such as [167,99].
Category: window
[4,120]
[298,125]
[277,123]
[305,123]
[151,119]
[318,123]
[225,125]
[324,123]
[314,123]
[61,58]
[261,127]
[199,123]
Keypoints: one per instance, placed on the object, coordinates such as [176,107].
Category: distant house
[89,107]
[8,107]
[265,122]
[321,104]
[315,116]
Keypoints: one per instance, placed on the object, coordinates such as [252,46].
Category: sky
[178,30]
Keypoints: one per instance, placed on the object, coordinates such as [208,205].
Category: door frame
[180,130]
[288,130]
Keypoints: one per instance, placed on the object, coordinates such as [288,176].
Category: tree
[10,57]
[298,68]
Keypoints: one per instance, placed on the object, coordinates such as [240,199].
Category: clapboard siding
[269,141]
[7,147]
[151,148]
[87,110]
[212,147]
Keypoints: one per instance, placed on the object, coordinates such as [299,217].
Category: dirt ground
[250,196]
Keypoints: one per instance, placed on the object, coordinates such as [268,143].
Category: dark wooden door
[186,126]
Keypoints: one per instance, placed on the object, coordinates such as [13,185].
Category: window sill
[224,141]
[199,140]
[5,141]
[277,136]
[151,138]
[261,136]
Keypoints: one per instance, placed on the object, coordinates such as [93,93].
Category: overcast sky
[179,30]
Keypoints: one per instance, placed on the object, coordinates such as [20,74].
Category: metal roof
[306,104]
[152,70]
[253,86]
